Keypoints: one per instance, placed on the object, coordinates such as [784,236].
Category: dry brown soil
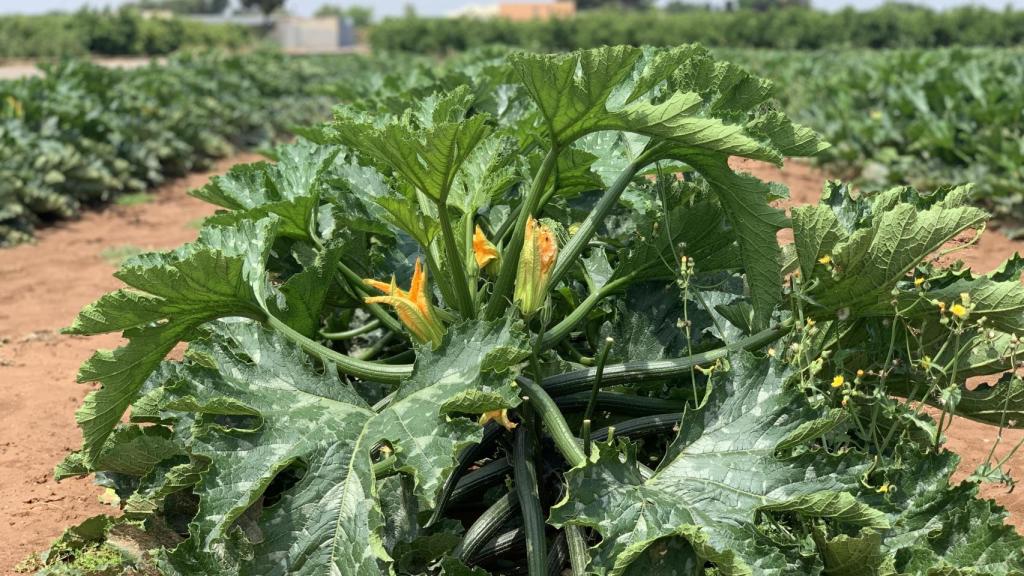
[43,285]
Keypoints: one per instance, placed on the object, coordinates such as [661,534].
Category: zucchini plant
[523,317]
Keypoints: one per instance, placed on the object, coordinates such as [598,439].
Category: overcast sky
[441,7]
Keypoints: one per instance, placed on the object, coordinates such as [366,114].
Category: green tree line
[114,33]
[891,26]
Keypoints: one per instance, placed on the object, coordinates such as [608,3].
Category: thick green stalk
[579,555]
[510,254]
[456,269]
[554,422]
[568,254]
[602,359]
[352,333]
[385,467]
[581,380]
[356,283]
[620,404]
[525,473]
[556,333]
[385,373]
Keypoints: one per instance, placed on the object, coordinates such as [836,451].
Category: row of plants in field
[478,324]
[111,33]
[83,134]
[930,118]
[891,26]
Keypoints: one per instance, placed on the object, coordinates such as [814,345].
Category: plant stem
[356,283]
[349,334]
[581,380]
[602,358]
[371,352]
[456,269]
[571,251]
[510,254]
[585,435]
[525,473]
[579,556]
[554,422]
[384,373]
[563,328]
[385,467]
[620,404]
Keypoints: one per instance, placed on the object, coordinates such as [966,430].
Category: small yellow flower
[540,250]
[499,416]
[826,260]
[883,489]
[959,310]
[918,281]
[926,362]
[838,381]
[483,250]
[413,307]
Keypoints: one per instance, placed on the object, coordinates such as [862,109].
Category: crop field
[517,313]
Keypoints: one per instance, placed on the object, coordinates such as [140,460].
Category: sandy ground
[42,287]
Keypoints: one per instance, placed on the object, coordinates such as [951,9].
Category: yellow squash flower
[499,416]
[540,250]
[838,382]
[483,250]
[413,307]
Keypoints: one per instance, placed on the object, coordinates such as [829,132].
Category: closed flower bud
[540,250]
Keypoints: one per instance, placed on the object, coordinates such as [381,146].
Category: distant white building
[722,5]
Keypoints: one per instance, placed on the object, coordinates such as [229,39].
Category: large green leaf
[262,408]
[867,262]
[722,471]
[170,295]
[755,226]
[290,188]
[427,147]
[472,372]
[941,528]
[607,88]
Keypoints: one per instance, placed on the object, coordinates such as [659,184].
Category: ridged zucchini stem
[581,380]
[376,372]
[554,422]
[525,471]
[579,555]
